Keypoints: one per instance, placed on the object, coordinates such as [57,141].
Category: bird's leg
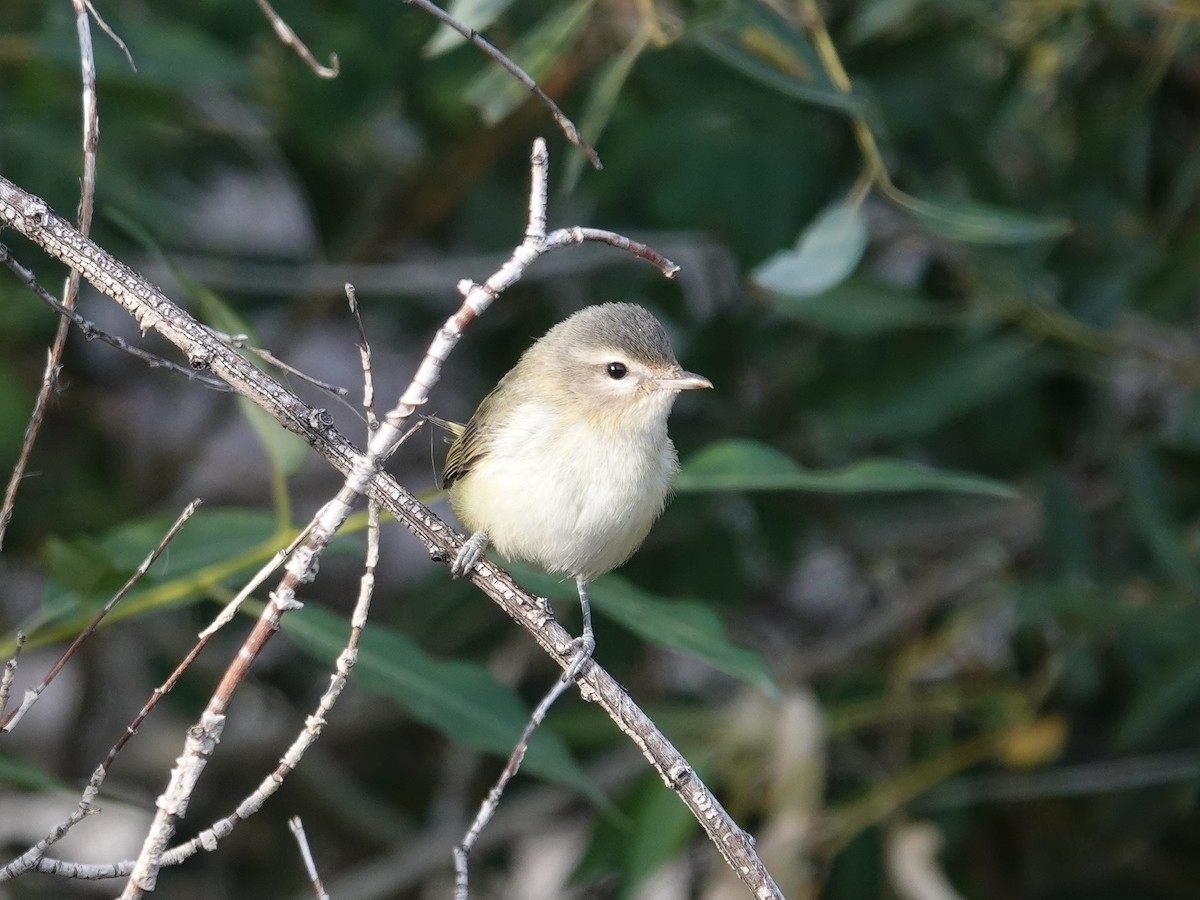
[469,554]
[585,644]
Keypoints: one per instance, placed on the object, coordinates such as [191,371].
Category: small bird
[566,463]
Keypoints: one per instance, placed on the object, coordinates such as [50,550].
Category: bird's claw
[584,647]
[468,554]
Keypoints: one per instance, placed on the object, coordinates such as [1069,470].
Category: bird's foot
[468,554]
[584,647]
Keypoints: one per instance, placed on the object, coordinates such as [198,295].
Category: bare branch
[314,725]
[91,134]
[112,35]
[310,866]
[92,331]
[491,803]
[10,672]
[364,355]
[152,309]
[570,237]
[240,341]
[8,723]
[285,34]
[567,126]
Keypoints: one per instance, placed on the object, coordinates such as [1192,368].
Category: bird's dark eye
[616,370]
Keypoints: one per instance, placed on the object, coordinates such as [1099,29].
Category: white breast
[565,495]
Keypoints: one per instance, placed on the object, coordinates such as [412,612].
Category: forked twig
[91,135]
[92,331]
[152,309]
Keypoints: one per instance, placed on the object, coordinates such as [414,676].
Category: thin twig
[85,807]
[285,34]
[491,803]
[30,857]
[10,721]
[112,35]
[230,610]
[10,671]
[364,355]
[567,126]
[92,331]
[310,865]
[32,217]
[91,134]
[573,237]
[241,342]
[314,724]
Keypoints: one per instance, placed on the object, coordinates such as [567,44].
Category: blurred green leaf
[1068,534]
[959,381]
[826,252]
[1168,694]
[753,39]
[606,88]
[475,14]
[22,774]
[680,624]
[169,55]
[875,19]
[495,93]
[860,307]
[80,565]
[742,465]
[657,812]
[1158,528]
[286,451]
[980,223]
[460,700]
[210,536]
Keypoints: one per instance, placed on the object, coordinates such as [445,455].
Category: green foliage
[750,466]
[462,701]
[947,480]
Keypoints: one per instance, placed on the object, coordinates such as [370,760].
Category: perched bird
[566,463]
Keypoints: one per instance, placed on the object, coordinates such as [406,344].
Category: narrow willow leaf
[460,700]
[981,223]
[962,380]
[860,307]
[606,87]
[741,465]
[18,773]
[475,14]
[210,536]
[756,41]
[1164,696]
[681,624]
[495,93]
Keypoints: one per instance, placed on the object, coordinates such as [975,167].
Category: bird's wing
[472,441]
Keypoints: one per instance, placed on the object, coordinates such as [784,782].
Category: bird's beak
[682,381]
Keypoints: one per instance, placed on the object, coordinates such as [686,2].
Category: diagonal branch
[153,310]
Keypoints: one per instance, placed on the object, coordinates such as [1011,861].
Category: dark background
[1018,674]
